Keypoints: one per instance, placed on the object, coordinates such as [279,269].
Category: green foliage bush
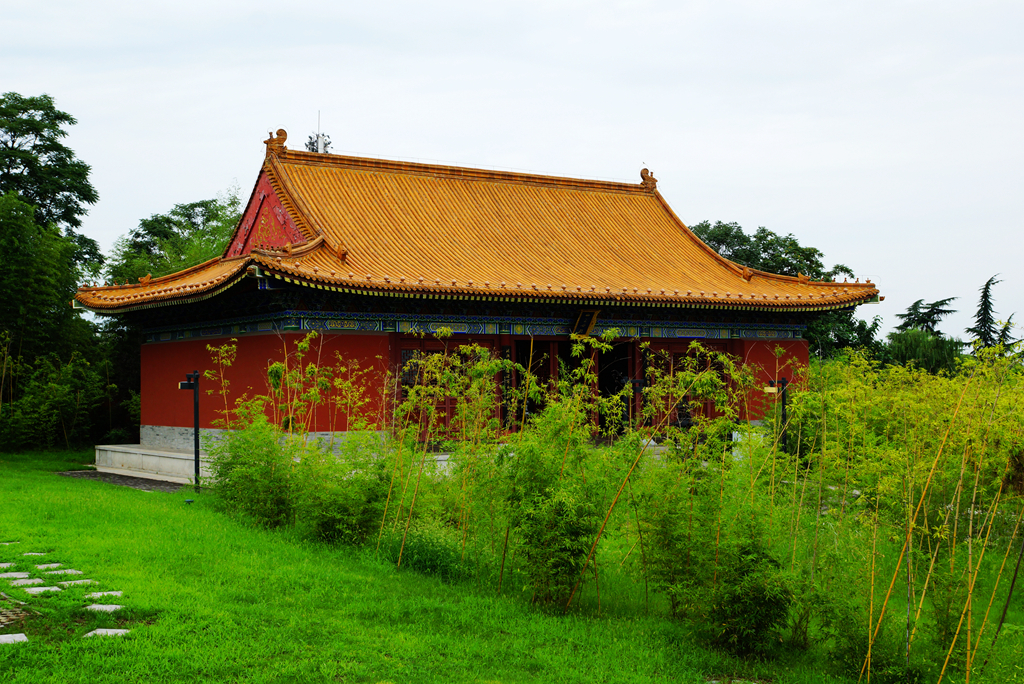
[750,604]
[55,407]
[340,493]
[708,521]
[430,548]
[254,468]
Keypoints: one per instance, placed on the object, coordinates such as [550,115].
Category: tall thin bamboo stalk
[618,494]
[1006,606]
[871,598]
[999,576]
[718,519]
[920,503]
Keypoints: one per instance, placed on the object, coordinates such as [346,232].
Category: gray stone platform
[155,463]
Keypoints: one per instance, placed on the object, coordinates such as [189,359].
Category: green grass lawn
[210,599]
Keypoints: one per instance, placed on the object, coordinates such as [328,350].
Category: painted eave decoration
[399,229]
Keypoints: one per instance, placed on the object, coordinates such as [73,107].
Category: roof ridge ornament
[275,143]
[647,180]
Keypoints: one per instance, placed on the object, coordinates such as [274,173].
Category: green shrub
[253,468]
[751,601]
[429,548]
[339,495]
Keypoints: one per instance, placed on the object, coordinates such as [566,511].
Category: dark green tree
[783,254]
[1005,339]
[36,165]
[918,341]
[986,331]
[926,317]
[187,235]
[928,351]
[766,251]
[38,280]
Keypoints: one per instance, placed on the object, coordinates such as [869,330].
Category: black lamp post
[192,383]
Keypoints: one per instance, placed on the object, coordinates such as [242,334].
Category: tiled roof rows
[403,229]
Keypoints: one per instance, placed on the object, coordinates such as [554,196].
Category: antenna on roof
[321,142]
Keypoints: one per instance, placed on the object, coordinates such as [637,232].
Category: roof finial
[275,143]
[647,180]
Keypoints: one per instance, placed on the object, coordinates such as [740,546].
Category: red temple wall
[760,355]
[165,364]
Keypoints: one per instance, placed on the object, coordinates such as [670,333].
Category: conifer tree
[926,317]
[985,330]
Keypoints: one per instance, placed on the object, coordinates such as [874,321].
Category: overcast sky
[887,134]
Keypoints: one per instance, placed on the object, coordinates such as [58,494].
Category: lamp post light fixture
[192,383]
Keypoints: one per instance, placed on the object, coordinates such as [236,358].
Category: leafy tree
[926,317]
[836,330]
[42,171]
[783,254]
[917,340]
[187,235]
[766,251]
[926,350]
[38,280]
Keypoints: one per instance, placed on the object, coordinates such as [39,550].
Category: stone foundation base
[136,460]
[167,453]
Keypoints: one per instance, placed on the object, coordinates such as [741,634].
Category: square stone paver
[74,582]
[34,553]
[104,607]
[8,543]
[101,594]
[13,575]
[6,565]
[48,566]
[12,638]
[107,632]
[64,572]
[41,590]
[26,582]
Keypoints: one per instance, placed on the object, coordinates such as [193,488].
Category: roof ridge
[461,172]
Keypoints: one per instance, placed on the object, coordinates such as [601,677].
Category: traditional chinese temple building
[374,253]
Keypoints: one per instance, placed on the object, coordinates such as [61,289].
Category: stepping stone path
[23,580]
[104,607]
[107,632]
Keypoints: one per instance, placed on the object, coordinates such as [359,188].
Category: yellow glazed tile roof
[193,284]
[427,230]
